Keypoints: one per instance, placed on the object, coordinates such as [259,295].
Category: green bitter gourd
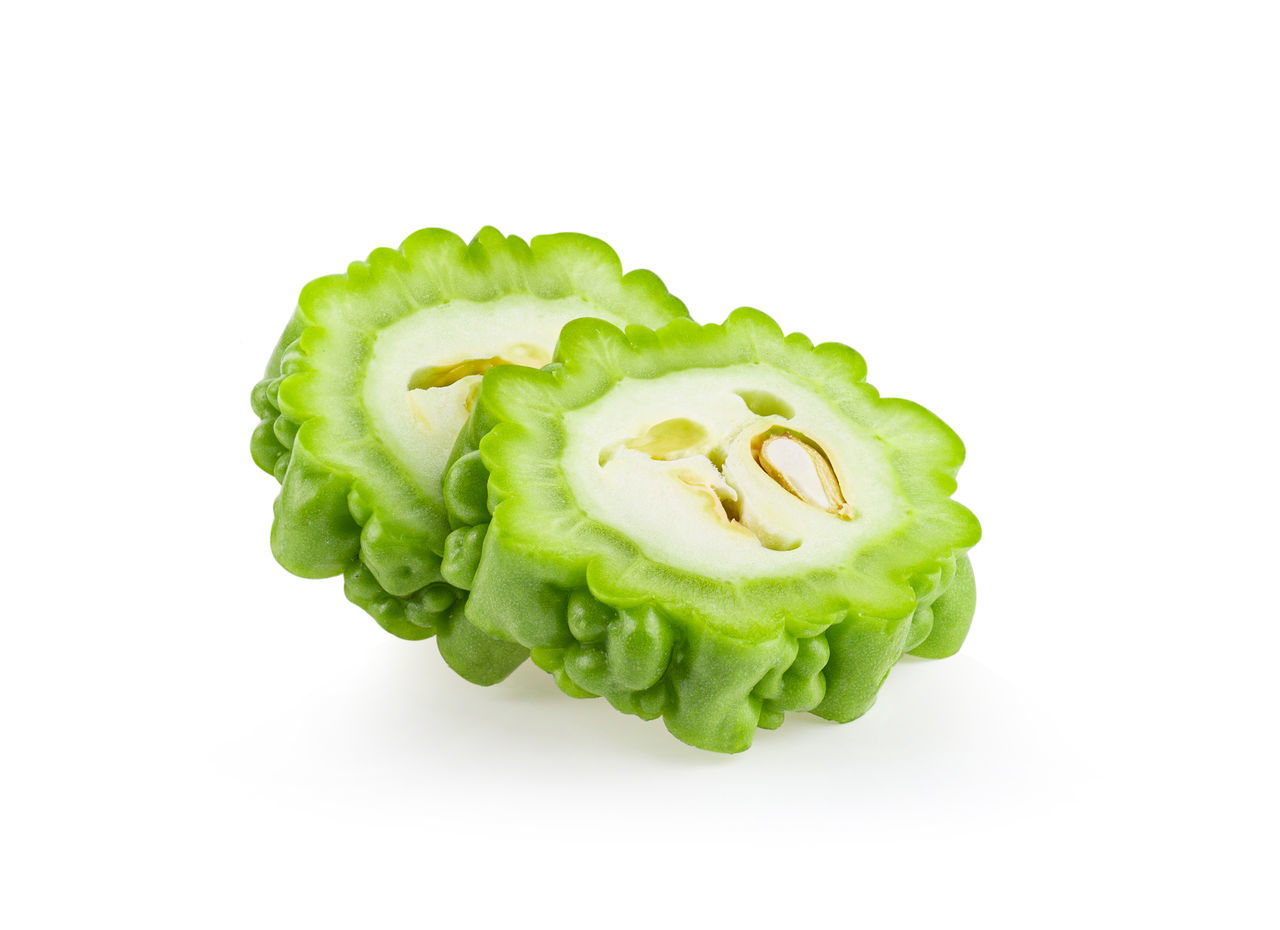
[713,524]
[369,384]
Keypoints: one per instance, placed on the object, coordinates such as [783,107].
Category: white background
[1055,224]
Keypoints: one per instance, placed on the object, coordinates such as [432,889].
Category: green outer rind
[334,516]
[950,615]
[604,620]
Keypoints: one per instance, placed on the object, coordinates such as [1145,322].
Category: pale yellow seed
[444,375]
[804,471]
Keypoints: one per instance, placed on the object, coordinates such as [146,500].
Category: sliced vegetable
[370,383]
[711,524]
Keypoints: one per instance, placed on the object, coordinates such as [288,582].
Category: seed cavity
[802,468]
[766,404]
[719,498]
[787,458]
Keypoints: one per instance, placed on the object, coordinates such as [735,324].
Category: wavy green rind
[715,657]
[951,615]
[347,505]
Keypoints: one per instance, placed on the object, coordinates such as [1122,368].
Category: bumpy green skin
[345,506]
[713,658]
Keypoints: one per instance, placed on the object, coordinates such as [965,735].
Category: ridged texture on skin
[713,657]
[346,505]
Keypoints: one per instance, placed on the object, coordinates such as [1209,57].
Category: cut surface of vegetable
[370,383]
[711,524]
